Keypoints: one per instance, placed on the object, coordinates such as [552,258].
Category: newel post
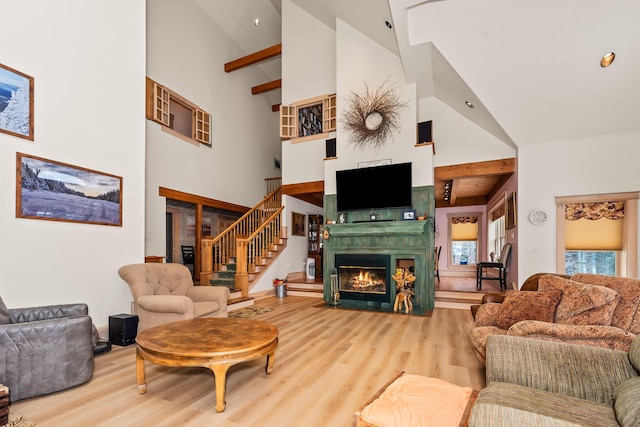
[242,275]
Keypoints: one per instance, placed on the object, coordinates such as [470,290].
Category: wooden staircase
[242,253]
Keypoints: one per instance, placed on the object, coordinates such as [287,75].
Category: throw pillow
[527,305]
[581,304]
[626,315]
[5,318]
[625,403]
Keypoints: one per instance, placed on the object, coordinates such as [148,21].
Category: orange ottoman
[417,401]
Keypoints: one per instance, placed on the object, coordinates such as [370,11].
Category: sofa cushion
[625,404]
[528,305]
[5,318]
[626,315]
[634,353]
[503,404]
[581,304]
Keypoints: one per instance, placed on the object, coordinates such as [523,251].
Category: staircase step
[229,283]
[305,292]
[457,300]
[226,274]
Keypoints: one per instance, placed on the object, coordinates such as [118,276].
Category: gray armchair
[45,349]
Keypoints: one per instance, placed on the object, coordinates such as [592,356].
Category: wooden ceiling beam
[265,87]
[491,167]
[200,200]
[463,201]
[254,58]
[303,187]
[454,192]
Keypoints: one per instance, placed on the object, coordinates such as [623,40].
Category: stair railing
[218,251]
[252,250]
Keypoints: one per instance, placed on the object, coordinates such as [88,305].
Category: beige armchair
[165,293]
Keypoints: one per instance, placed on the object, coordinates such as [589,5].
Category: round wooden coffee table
[214,343]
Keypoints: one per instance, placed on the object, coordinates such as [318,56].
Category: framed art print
[55,191]
[16,103]
[408,215]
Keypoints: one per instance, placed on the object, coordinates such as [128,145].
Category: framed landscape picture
[16,103]
[297,224]
[55,191]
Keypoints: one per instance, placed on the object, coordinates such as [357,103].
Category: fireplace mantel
[404,241]
[376,228]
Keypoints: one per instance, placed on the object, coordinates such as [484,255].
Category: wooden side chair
[483,268]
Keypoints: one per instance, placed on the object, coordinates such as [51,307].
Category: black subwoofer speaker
[123,329]
[424,132]
[330,148]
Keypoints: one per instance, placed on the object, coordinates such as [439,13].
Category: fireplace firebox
[364,277]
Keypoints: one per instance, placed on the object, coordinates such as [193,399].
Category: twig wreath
[371,117]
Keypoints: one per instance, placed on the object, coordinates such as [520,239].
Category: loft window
[310,119]
[177,115]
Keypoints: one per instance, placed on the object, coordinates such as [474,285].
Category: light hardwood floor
[328,362]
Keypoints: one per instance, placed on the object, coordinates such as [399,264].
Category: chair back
[504,256]
[156,279]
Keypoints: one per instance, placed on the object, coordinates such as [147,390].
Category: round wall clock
[538,217]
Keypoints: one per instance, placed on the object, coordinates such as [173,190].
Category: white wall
[186,52]
[89,112]
[361,61]
[590,165]
[457,139]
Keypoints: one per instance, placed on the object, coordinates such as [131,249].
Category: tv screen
[378,187]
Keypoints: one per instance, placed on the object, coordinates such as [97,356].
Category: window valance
[464,219]
[497,213]
[594,211]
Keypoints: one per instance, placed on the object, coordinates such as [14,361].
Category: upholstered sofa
[587,309]
[45,349]
[165,293]
[543,383]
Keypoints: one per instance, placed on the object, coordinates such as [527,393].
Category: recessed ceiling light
[607,59]
[256,22]
[469,104]
[388,24]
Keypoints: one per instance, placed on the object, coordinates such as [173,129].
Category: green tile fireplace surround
[405,242]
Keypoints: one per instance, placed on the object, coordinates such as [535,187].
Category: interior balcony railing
[247,241]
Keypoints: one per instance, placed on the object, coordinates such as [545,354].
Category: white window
[463,239]
[497,236]
[597,234]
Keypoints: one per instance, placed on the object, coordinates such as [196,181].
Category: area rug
[17,420]
[250,311]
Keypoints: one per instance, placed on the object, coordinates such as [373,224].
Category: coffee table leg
[142,384]
[220,374]
[270,361]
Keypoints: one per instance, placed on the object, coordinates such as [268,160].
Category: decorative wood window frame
[158,109]
[289,118]
[628,265]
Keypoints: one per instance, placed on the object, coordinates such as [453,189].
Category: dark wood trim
[200,200]
[303,187]
[266,87]
[491,167]
[254,58]
[465,201]
[275,108]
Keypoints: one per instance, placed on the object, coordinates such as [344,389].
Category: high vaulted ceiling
[530,68]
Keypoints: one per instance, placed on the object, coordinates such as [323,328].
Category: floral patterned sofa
[586,309]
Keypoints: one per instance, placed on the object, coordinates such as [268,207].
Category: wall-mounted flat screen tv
[378,187]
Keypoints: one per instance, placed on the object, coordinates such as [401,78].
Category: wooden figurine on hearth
[404,290]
